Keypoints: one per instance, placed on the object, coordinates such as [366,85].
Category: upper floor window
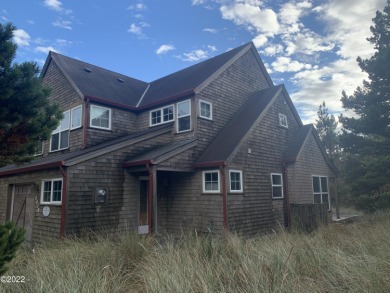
[210,181]
[320,190]
[235,181]
[162,115]
[51,191]
[39,149]
[277,185]
[205,110]
[184,116]
[76,117]
[283,120]
[100,117]
[60,136]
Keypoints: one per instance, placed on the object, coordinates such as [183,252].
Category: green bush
[373,203]
[10,239]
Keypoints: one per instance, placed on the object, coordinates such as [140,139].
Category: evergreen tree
[26,116]
[366,135]
[10,239]
[326,126]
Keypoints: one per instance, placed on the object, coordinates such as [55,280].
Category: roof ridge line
[143,95]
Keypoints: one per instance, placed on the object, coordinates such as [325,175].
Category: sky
[310,46]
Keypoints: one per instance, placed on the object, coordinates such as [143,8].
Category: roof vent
[120,79]
[88,69]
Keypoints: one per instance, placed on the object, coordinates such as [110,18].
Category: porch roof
[162,153]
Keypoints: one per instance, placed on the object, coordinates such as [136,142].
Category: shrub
[10,239]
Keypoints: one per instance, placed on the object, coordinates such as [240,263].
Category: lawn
[352,257]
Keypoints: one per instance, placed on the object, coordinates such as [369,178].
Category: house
[214,146]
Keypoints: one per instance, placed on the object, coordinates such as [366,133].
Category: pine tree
[10,239]
[366,136]
[326,126]
[26,116]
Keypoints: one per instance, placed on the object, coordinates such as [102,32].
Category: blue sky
[311,46]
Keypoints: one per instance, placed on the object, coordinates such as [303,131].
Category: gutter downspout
[64,201]
[285,175]
[224,196]
[150,194]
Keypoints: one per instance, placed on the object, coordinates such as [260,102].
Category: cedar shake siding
[129,174]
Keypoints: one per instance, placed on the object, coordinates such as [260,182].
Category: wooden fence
[308,217]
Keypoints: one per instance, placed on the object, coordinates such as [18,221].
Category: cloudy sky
[311,46]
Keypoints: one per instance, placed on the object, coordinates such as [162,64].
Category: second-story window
[60,136]
[205,110]
[162,115]
[76,117]
[100,117]
[184,116]
[283,120]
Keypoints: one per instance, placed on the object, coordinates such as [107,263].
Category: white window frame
[178,117]
[109,118]
[59,131]
[204,181]
[72,115]
[40,153]
[230,181]
[52,202]
[161,110]
[200,110]
[277,185]
[283,120]
[321,191]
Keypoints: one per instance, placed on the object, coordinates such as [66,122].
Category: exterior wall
[44,228]
[184,207]
[310,162]
[105,172]
[259,155]
[228,92]
[63,93]
[123,122]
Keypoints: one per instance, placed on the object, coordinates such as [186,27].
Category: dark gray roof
[187,79]
[295,147]
[162,153]
[63,159]
[107,86]
[101,83]
[229,138]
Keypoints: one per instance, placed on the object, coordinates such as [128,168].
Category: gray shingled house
[216,145]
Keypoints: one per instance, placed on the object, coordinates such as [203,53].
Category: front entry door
[143,225]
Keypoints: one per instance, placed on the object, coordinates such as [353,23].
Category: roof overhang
[33,168]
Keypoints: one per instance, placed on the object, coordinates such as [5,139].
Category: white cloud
[194,55]
[290,12]
[210,30]
[21,37]
[260,41]
[45,50]
[138,7]
[137,29]
[272,50]
[163,49]
[53,4]
[212,48]
[250,15]
[285,64]
[65,24]
[198,2]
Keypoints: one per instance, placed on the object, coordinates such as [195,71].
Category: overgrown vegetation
[10,239]
[336,258]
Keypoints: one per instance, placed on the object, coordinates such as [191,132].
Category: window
[162,115]
[277,185]
[211,181]
[51,191]
[235,181]
[283,120]
[39,149]
[76,117]
[100,117]
[320,190]
[184,116]
[60,136]
[205,110]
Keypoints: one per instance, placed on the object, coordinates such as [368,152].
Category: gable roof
[237,128]
[105,86]
[75,157]
[294,149]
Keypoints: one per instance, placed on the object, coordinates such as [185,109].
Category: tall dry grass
[336,258]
